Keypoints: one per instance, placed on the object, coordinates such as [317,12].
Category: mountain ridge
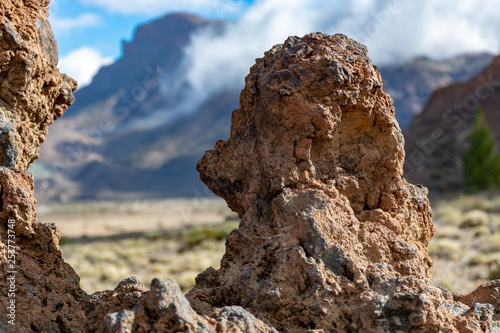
[422,75]
[141,114]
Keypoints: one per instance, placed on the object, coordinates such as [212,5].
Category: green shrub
[195,235]
[481,162]
[64,240]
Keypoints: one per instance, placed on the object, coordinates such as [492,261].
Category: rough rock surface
[32,95]
[331,237]
[32,91]
[44,289]
[130,308]
[47,292]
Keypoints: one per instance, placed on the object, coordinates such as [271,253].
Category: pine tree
[481,162]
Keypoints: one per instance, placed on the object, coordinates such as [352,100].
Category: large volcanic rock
[32,91]
[439,135]
[331,237]
[43,293]
[39,292]
[37,288]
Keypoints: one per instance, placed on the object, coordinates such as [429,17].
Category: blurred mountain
[410,84]
[138,130]
[437,137]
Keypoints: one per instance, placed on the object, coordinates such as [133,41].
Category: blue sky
[89,32]
[102,24]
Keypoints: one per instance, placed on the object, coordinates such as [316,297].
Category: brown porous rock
[131,308]
[42,291]
[32,91]
[332,238]
[39,292]
[46,295]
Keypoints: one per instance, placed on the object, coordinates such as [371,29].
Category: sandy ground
[97,219]
[106,242]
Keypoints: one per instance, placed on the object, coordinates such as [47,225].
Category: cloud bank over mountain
[151,111]
[393,31]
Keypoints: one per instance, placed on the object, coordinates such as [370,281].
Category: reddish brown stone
[46,293]
[331,237]
[32,91]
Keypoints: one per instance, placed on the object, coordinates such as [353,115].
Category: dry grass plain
[466,247]
[108,241]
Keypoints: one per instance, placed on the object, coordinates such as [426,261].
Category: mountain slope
[138,130]
[437,137]
[158,44]
[136,115]
[410,84]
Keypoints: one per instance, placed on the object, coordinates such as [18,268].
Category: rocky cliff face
[332,238]
[39,292]
[43,289]
[438,136]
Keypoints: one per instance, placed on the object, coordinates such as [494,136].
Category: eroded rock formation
[131,308]
[32,91]
[45,289]
[33,94]
[332,238]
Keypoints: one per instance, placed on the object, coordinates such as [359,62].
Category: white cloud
[391,29]
[82,64]
[221,9]
[65,25]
